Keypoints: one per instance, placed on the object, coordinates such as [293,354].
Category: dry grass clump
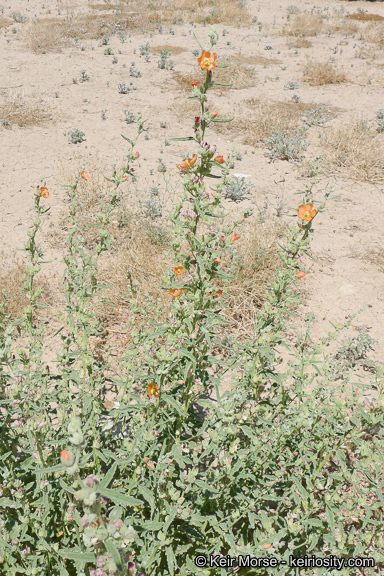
[374,33]
[173,49]
[10,284]
[369,52]
[338,23]
[259,115]
[238,74]
[320,73]
[365,17]
[258,259]
[355,149]
[299,42]
[139,253]
[223,11]
[303,24]
[46,35]
[255,60]
[4,22]
[23,112]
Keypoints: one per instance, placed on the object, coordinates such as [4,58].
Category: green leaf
[188,354]
[223,120]
[78,556]
[221,84]
[119,498]
[148,496]
[111,548]
[170,560]
[183,138]
[331,519]
[56,468]
[206,486]
[127,139]
[108,477]
[170,519]
[152,526]
[8,503]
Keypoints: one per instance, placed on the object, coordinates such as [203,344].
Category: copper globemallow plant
[139,463]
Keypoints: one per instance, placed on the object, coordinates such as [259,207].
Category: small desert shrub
[130,117]
[320,73]
[285,147]
[123,88]
[84,77]
[76,136]
[355,149]
[316,117]
[164,63]
[238,189]
[18,17]
[352,354]
[380,120]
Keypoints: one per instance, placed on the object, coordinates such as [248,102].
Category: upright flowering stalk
[177,363]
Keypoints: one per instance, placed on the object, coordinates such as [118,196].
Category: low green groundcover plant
[288,463]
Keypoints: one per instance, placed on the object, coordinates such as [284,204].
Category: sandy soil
[348,267]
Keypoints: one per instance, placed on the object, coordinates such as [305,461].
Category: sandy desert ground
[283,60]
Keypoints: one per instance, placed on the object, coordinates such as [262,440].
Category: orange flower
[219,293]
[175,293]
[243,219]
[178,270]
[220,159]
[188,163]
[65,455]
[44,192]
[300,274]
[195,83]
[153,390]
[84,175]
[306,212]
[218,260]
[235,237]
[149,463]
[267,546]
[214,114]
[207,61]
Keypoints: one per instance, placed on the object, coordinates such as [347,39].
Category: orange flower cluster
[153,390]
[175,293]
[306,212]
[150,464]
[188,163]
[207,60]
